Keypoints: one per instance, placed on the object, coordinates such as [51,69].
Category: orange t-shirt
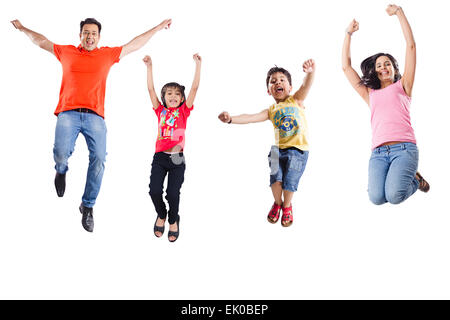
[84,76]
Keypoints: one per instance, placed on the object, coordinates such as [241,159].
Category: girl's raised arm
[196,82]
[350,73]
[410,61]
[151,87]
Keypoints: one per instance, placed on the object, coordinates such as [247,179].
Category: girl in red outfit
[169,160]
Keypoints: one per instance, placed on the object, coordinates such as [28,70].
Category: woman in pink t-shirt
[393,175]
[169,160]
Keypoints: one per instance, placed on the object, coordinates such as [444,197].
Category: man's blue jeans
[392,173]
[93,128]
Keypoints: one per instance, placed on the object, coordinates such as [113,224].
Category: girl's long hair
[175,86]
[370,76]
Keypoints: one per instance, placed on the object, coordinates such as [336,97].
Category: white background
[340,245]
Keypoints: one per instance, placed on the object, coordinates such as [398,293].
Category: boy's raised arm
[309,68]
[245,118]
[37,38]
[196,82]
[151,87]
[139,41]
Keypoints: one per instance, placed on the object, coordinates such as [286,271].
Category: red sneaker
[287,218]
[274,213]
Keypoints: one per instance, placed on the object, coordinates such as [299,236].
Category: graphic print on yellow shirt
[289,122]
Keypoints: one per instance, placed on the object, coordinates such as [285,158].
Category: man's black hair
[91,21]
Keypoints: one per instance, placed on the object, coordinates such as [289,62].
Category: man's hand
[139,41]
[165,24]
[37,38]
[16,23]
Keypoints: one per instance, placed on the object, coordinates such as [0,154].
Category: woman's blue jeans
[392,173]
[93,128]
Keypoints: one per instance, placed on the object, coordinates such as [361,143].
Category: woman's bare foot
[424,186]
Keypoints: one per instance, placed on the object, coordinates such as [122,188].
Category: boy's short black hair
[275,70]
[91,21]
[173,85]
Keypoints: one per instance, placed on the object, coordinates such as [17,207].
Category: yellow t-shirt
[289,122]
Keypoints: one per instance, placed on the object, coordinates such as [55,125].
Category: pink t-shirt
[171,126]
[390,117]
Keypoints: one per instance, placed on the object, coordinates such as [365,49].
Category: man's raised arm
[37,38]
[142,39]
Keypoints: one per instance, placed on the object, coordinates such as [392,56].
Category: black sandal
[175,233]
[158,229]
[424,186]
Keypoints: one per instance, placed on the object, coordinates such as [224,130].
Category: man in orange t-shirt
[81,102]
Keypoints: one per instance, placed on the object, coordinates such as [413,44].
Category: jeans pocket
[414,154]
[274,160]
[296,164]
[178,159]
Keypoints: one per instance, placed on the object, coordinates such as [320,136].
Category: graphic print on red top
[171,126]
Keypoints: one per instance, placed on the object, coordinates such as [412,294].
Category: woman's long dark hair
[370,76]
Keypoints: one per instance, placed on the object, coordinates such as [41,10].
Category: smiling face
[279,87]
[89,36]
[173,97]
[385,70]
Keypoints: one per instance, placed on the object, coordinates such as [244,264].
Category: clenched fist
[225,117]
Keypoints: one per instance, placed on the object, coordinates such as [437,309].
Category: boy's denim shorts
[287,166]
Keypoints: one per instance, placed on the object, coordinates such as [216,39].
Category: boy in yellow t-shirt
[287,159]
